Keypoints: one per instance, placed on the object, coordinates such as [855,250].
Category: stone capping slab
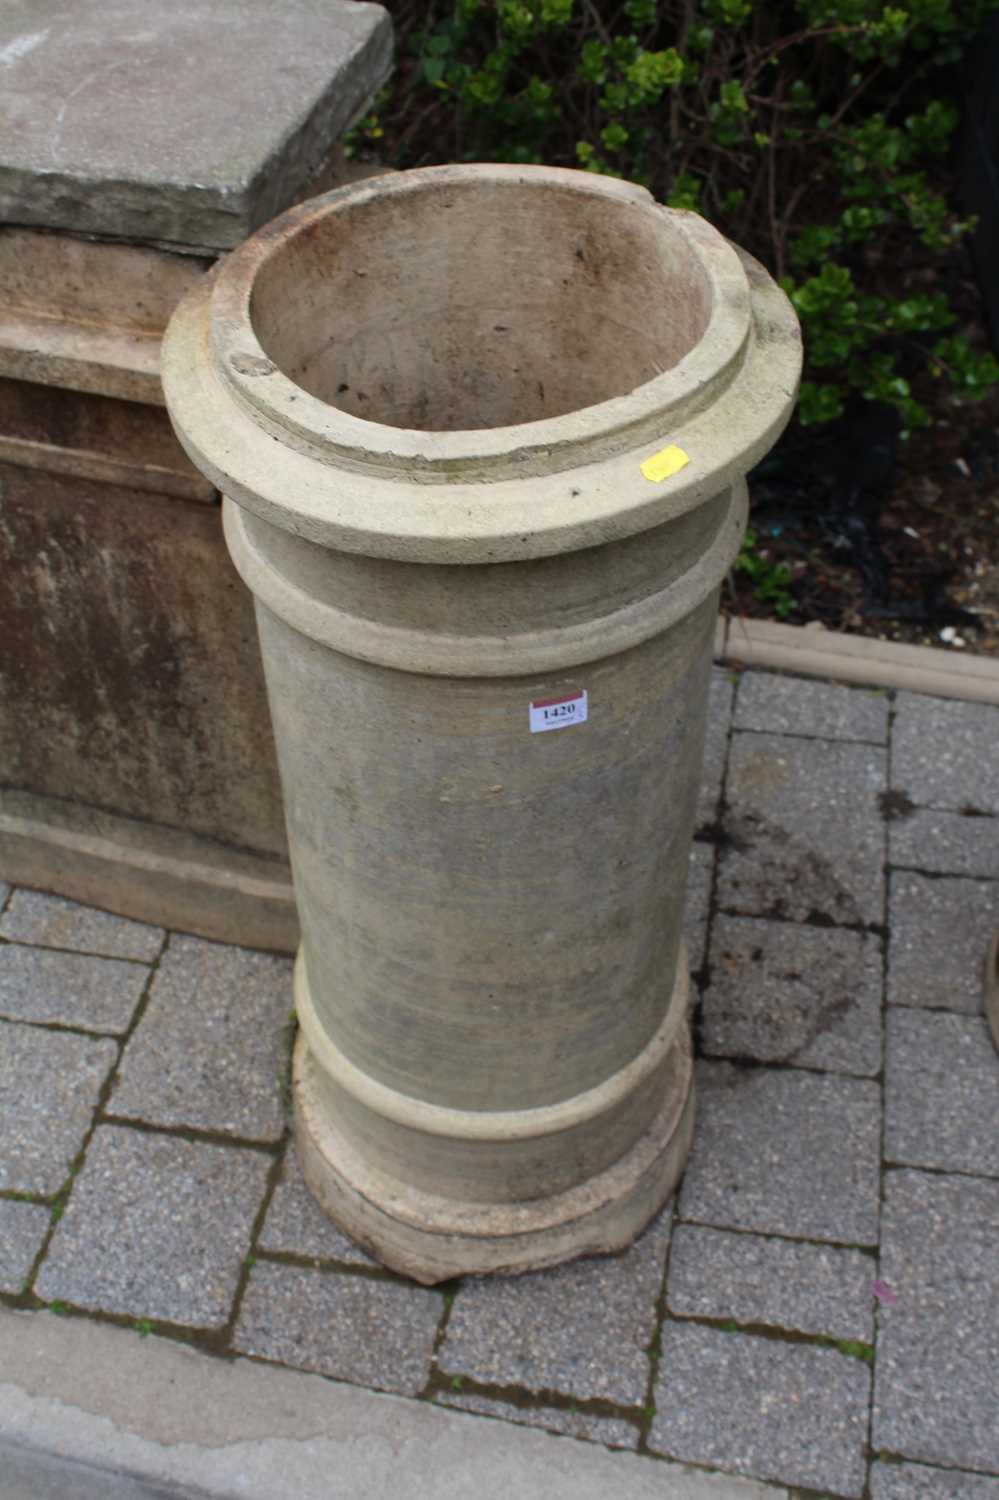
[204,120]
[814,651]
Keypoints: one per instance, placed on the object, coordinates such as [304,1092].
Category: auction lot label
[558,713]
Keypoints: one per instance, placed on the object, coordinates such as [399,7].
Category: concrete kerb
[813,651]
[88,1410]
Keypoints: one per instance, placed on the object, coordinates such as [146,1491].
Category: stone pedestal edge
[151,874]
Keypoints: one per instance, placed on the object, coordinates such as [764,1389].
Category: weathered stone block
[194,127]
[136,763]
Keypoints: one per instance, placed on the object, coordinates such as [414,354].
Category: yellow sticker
[664,463]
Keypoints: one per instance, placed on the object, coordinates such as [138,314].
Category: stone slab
[204,120]
[762,1407]
[823,710]
[941,1092]
[70,989]
[945,842]
[23,1227]
[173,1418]
[211,1050]
[296,1225]
[938,1346]
[50,1083]
[614,1432]
[721,694]
[155,1227]
[781,1151]
[581,1329]
[805,834]
[52,922]
[784,992]
[939,931]
[943,753]
[788,1284]
[918,1482]
[368,1330]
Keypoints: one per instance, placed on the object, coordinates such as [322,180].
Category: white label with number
[558,713]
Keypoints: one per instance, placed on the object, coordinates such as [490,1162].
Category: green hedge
[817,135]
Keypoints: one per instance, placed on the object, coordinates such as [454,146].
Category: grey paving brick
[71,989]
[211,1049]
[52,922]
[581,1329]
[156,1227]
[944,752]
[695,924]
[785,1152]
[782,1283]
[806,835]
[612,1431]
[296,1225]
[941,1092]
[918,1482]
[761,1407]
[947,842]
[370,1331]
[823,710]
[50,1082]
[720,696]
[23,1227]
[4,893]
[938,1346]
[783,992]
[939,930]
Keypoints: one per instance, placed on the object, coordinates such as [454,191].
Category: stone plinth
[137,142]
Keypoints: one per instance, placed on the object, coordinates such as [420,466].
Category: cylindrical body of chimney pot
[482,433]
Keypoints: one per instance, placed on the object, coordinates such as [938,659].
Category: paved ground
[819,1308]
